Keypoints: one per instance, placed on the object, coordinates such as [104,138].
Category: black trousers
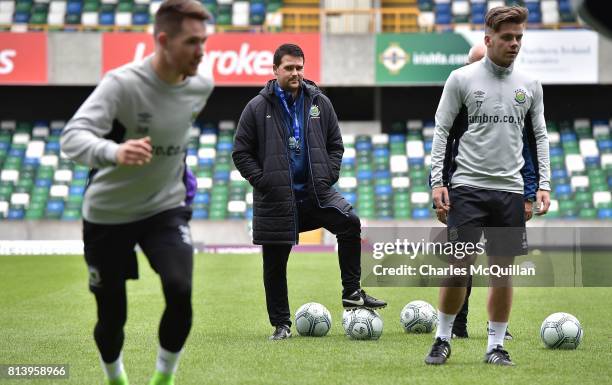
[347,229]
[109,253]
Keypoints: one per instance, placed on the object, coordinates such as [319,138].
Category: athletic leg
[167,245]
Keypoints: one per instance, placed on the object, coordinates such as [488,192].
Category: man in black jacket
[288,146]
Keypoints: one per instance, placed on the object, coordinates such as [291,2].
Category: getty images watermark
[541,256]
[452,250]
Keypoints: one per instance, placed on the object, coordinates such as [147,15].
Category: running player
[133,132]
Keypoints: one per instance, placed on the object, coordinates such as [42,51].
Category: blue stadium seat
[382,174]
[348,161]
[225,146]
[556,151]
[74,8]
[363,146]
[200,214]
[258,11]
[221,175]
[381,152]
[52,147]
[605,145]
[416,161]
[80,174]
[565,6]
[249,213]
[140,19]
[202,198]
[422,213]
[55,207]
[16,214]
[559,174]
[604,213]
[77,190]
[427,144]
[396,138]
[534,17]
[563,191]
[107,18]
[16,152]
[205,162]
[43,182]
[591,161]
[364,175]
[478,12]
[20,17]
[31,161]
[568,137]
[443,14]
[383,190]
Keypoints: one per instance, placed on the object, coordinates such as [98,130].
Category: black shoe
[460,331]
[440,351]
[359,298]
[508,336]
[498,356]
[282,332]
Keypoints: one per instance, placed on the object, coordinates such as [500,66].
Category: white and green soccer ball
[362,324]
[419,317]
[561,331]
[313,319]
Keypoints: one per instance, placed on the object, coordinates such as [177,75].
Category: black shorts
[164,238]
[500,214]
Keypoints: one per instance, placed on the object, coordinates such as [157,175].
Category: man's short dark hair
[287,49]
[170,15]
[500,15]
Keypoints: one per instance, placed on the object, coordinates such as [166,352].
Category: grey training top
[132,102]
[498,100]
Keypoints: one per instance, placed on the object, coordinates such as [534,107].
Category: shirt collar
[497,70]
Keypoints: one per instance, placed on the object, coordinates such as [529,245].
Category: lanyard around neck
[293,116]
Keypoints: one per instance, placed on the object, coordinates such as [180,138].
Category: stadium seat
[574,163]
[495,3]
[443,13]
[602,199]
[4,209]
[384,176]
[604,213]
[426,20]
[550,11]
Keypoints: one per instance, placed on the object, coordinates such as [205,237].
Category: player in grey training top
[486,185]
[133,132]
[498,100]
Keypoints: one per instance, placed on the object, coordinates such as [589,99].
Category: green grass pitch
[47,316]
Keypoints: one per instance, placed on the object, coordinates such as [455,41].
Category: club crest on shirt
[520,96]
[314,111]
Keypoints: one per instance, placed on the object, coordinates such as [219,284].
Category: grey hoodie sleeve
[541,137]
[448,108]
[82,139]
